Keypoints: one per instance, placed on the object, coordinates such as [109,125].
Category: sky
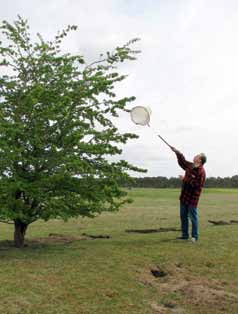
[186,72]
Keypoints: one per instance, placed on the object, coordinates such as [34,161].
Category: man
[192,183]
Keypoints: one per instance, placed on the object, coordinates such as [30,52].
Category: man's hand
[174,150]
[181,177]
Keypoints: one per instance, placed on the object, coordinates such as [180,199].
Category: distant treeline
[163,182]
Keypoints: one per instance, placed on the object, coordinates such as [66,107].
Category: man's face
[197,159]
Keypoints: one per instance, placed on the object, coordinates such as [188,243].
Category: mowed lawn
[69,273]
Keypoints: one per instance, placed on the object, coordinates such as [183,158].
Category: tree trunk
[19,233]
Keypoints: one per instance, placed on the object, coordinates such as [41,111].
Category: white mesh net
[140,115]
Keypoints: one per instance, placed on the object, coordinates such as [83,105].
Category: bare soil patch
[192,291]
[151,230]
[222,222]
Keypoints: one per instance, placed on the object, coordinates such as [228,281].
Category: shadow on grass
[152,230]
[42,242]
[53,240]
[59,242]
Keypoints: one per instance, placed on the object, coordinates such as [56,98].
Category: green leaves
[56,128]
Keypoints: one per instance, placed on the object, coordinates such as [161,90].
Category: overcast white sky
[187,72]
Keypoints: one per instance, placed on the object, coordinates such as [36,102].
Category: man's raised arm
[183,163]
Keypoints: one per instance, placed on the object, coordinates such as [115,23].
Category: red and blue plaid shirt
[193,181]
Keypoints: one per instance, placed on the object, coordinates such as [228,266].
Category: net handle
[148,124]
[160,136]
[164,141]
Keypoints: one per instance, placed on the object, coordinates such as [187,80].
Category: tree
[56,130]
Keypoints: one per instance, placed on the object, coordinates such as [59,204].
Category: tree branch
[7,222]
[95,62]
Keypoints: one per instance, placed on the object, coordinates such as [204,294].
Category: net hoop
[140,115]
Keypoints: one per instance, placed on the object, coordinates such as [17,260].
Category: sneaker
[194,240]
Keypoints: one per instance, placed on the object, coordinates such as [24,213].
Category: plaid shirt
[193,181]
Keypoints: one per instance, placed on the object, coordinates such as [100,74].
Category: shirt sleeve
[183,163]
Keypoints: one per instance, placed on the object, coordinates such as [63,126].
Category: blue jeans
[186,212]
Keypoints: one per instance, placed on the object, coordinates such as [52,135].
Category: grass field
[77,274]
